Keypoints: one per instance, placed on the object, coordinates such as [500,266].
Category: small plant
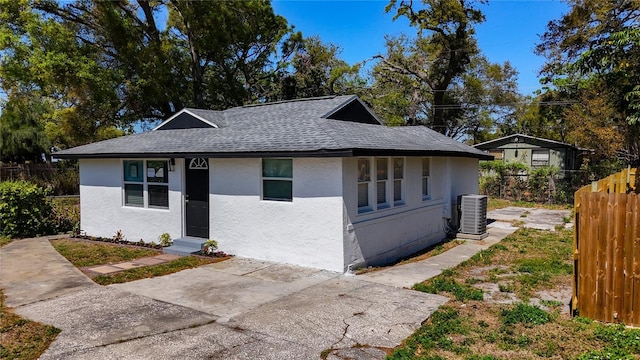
[439,284]
[525,314]
[119,237]
[550,303]
[209,247]
[506,288]
[165,239]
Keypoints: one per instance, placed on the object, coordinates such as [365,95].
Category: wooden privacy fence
[606,283]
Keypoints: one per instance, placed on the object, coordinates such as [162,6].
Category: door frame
[184,195]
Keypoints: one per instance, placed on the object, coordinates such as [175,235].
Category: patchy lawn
[495,203]
[84,253]
[21,338]
[511,302]
[87,253]
[144,272]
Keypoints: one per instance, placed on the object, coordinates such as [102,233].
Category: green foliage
[84,253]
[141,61]
[608,353]
[525,314]
[22,135]
[620,337]
[165,239]
[187,262]
[434,335]
[442,283]
[209,247]
[420,81]
[593,52]
[24,209]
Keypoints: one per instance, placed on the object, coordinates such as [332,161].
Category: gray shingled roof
[293,128]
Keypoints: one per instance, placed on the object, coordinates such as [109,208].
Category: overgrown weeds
[502,323]
[22,339]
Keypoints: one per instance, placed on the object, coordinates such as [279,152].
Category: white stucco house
[316,182]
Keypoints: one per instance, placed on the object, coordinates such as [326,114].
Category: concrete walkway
[31,270]
[236,309]
[406,275]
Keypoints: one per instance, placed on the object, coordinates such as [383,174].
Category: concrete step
[189,242]
[180,250]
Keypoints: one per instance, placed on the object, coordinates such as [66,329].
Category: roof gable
[354,110]
[186,119]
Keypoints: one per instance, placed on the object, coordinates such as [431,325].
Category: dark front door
[197,197]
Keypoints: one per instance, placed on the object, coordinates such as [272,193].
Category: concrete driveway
[237,309]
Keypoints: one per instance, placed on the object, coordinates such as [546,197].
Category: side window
[277,179]
[398,181]
[364,181]
[426,181]
[382,176]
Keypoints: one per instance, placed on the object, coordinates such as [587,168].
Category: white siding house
[315,182]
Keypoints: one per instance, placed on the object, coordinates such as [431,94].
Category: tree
[402,91]
[595,49]
[315,70]
[445,45]
[22,136]
[108,65]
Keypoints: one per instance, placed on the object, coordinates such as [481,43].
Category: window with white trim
[382,178]
[380,183]
[540,158]
[398,181]
[146,183]
[426,179]
[277,179]
[364,181]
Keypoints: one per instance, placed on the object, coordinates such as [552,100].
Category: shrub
[209,247]
[25,211]
[165,239]
[525,314]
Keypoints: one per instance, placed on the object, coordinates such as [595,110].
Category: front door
[197,197]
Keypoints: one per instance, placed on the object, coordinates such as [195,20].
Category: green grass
[473,328]
[180,264]
[496,203]
[4,240]
[83,253]
[445,284]
[22,339]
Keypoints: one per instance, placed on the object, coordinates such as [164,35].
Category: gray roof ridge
[290,101]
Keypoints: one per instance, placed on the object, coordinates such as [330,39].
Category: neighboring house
[533,152]
[315,182]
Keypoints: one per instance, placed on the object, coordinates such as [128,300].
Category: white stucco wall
[306,231]
[383,236]
[102,212]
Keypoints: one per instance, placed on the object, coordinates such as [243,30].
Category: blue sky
[509,33]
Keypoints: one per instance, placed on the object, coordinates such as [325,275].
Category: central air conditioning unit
[473,216]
